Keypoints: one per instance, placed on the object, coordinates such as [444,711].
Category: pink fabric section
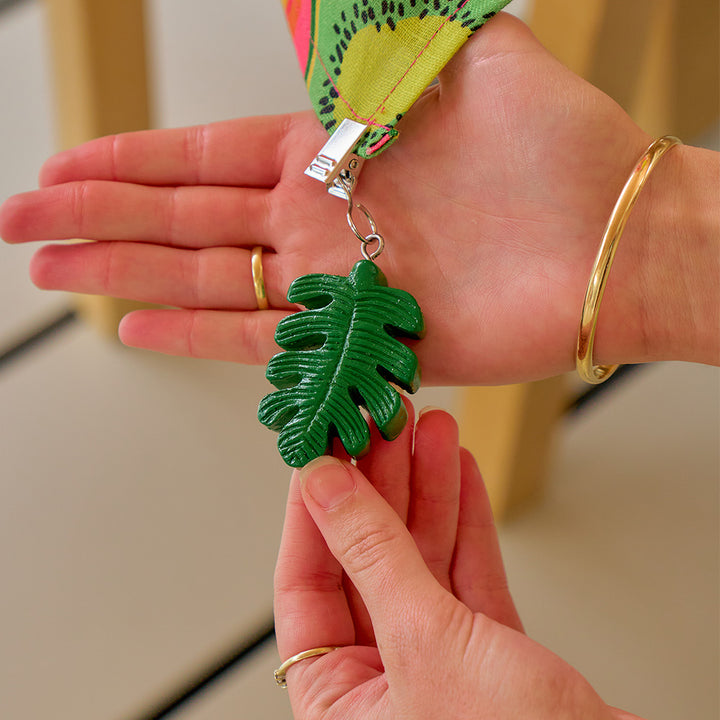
[301,31]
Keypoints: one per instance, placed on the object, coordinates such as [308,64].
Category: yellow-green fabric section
[400,62]
[369,60]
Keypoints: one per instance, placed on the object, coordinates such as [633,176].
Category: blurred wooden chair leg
[510,429]
[679,80]
[99,68]
[656,58]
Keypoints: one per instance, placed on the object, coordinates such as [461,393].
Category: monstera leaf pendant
[341,354]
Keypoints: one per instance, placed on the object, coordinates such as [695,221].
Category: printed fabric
[369,60]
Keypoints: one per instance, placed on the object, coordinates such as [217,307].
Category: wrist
[663,299]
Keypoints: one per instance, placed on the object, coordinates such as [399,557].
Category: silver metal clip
[336,164]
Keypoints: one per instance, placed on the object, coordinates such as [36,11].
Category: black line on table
[37,337]
[201,682]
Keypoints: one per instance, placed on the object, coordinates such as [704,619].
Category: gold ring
[258,278]
[281,672]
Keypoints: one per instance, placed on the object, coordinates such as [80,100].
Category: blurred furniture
[99,64]
[658,59]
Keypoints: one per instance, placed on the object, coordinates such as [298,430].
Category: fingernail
[427,409]
[327,481]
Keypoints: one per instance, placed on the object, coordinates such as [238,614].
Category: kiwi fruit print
[369,60]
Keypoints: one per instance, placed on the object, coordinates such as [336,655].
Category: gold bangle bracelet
[596,374]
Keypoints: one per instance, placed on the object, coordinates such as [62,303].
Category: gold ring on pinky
[281,672]
[258,278]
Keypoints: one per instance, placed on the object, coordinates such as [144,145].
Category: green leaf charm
[341,353]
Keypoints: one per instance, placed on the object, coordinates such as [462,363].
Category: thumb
[373,546]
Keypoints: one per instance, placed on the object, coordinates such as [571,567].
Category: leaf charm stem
[341,353]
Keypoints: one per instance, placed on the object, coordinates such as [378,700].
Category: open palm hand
[491,204]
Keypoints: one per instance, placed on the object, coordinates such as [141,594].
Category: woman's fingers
[387,464]
[241,337]
[101,210]
[377,552]
[435,491]
[478,573]
[214,288]
[310,612]
[246,152]
[212,278]
[310,606]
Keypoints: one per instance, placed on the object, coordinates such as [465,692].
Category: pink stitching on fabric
[357,117]
[383,140]
[370,121]
[374,148]
[419,55]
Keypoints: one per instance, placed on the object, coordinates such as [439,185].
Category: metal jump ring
[365,240]
[351,222]
[369,239]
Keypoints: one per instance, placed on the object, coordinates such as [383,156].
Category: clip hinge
[336,164]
